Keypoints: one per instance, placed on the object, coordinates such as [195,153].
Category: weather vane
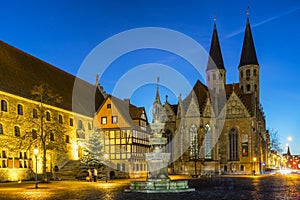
[248,10]
[215,17]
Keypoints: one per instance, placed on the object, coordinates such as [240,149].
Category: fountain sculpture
[158,180]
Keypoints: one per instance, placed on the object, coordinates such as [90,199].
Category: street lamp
[106,158]
[254,161]
[36,152]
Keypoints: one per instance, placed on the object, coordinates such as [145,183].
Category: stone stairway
[70,170]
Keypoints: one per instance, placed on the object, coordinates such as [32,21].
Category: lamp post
[254,161]
[36,151]
[106,158]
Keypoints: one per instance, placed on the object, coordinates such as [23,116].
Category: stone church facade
[238,145]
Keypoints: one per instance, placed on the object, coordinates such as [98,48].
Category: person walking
[95,174]
[89,175]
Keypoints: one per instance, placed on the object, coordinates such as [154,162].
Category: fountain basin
[162,186]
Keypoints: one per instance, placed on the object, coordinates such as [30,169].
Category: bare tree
[44,128]
[275,143]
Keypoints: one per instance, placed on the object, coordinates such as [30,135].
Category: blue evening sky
[64,32]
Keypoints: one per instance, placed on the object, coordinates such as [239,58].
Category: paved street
[224,187]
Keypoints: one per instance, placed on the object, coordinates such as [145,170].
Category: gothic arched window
[233,145]
[193,141]
[208,142]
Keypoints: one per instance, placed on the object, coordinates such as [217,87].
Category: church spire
[215,54]
[157,97]
[248,55]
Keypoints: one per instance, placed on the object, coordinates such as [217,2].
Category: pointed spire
[248,55]
[215,54]
[157,97]
[288,151]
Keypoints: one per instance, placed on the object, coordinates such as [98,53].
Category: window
[3,105]
[208,142]
[254,72]
[67,139]
[248,74]
[71,121]
[80,124]
[193,142]
[89,126]
[34,134]
[108,106]
[248,88]
[255,88]
[4,154]
[1,129]
[214,76]
[17,131]
[103,120]
[60,119]
[242,74]
[34,113]
[21,155]
[52,136]
[233,145]
[48,116]
[114,119]
[20,109]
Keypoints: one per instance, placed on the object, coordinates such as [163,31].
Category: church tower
[249,67]
[215,70]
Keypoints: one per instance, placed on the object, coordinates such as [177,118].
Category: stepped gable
[20,72]
[245,98]
[200,91]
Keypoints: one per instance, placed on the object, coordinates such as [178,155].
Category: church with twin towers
[211,135]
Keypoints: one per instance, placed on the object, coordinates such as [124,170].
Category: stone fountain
[158,180]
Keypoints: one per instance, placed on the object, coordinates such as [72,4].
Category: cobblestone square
[222,187]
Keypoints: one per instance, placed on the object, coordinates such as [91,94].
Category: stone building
[66,124]
[24,118]
[215,135]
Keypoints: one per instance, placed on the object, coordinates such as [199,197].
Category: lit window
[34,113]
[17,131]
[20,109]
[3,105]
[60,119]
[103,120]
[48,116]
[233,142]
[208,142]
[114,119]
[193,142]
[71,121]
